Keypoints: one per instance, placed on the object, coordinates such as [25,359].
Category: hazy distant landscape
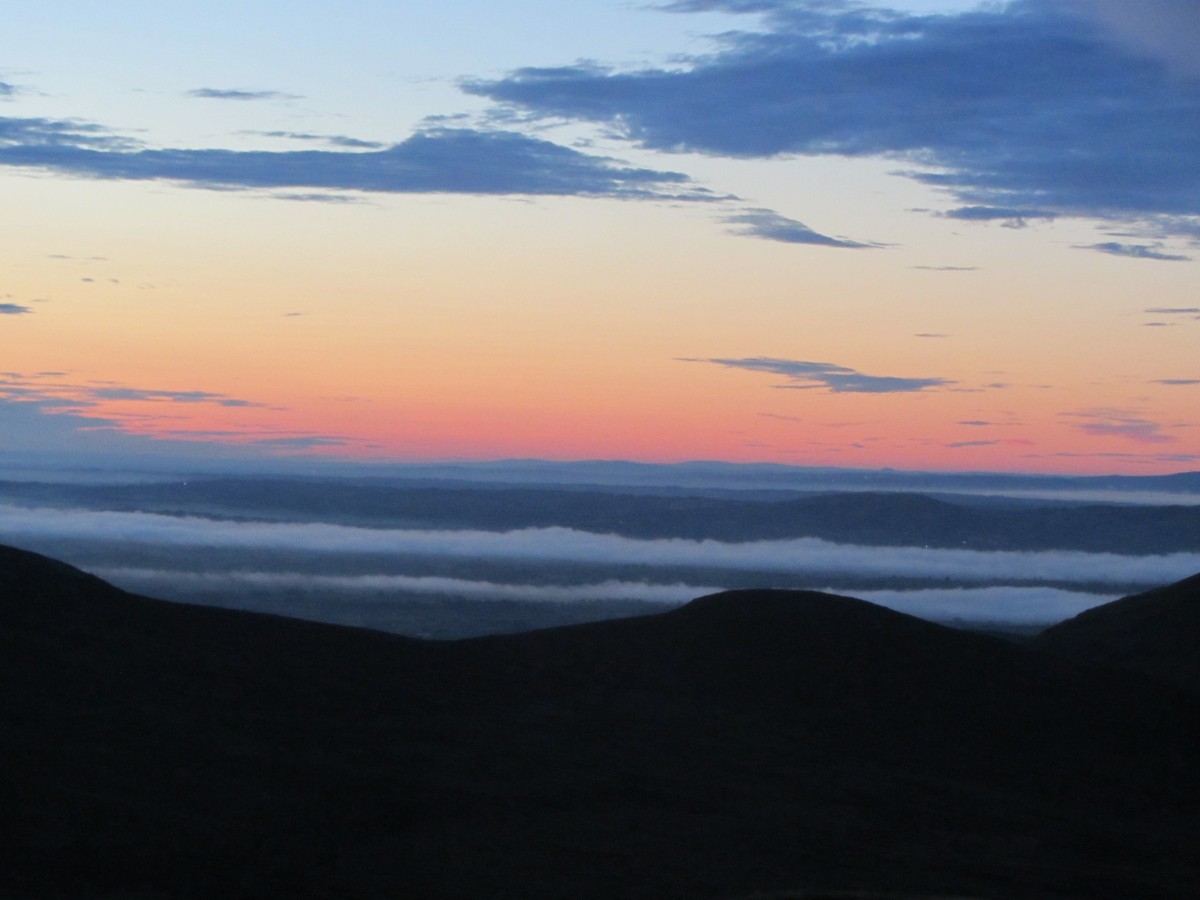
[452,551]
[606,450]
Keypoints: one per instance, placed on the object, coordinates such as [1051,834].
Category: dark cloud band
[458,160]
[1020,111]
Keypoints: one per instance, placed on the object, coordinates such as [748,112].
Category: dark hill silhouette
[749,742]
[1156,632]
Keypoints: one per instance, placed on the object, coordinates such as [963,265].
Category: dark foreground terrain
[750,743]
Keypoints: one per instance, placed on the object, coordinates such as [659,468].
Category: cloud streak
[48,412]
[433,161]
[1135,251]
[771,226]
[1119,423]
[804,375]
[228,94]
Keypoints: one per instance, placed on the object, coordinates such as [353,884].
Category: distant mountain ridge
[870,518]
[748,742]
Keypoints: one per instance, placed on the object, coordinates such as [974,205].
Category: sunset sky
[927,235]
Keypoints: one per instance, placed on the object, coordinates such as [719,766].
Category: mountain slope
[1156,632]
[750,741]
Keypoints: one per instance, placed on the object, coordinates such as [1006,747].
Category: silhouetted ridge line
[1156,632]
[749,742]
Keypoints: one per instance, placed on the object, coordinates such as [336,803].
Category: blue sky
[955,235]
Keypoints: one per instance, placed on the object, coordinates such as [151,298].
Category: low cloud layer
[1028,606]
[808,556]
[1033,606]
[667,594]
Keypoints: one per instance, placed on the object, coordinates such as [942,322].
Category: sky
[923,235]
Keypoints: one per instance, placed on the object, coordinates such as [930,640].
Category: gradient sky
[930,235]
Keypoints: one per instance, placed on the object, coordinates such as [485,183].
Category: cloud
[1022,107]
[1013,218]
[224,94]
[7,90]
[50,136]
[441,160]
[1134,251]
[1173,310]
[930,334]
[1166,30]
[301,442]
[975,422]
[667,594]
[805,375]
[13,309]
[948,268]
[1119,423]
[1177,381]
[799,556]
[152,396]
[1029,605]
[770,225]
[957,444]
[48,412]
[334,140]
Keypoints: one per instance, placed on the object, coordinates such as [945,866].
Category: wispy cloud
[442,160]
[948,268]
[771,226]
[153,396]
[1011,217]
[1018,110]
[49,410]
[333,140]
[1130,424]
[1135,251]
[803,375]
[208,93]
[14,309]
[1173,310]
